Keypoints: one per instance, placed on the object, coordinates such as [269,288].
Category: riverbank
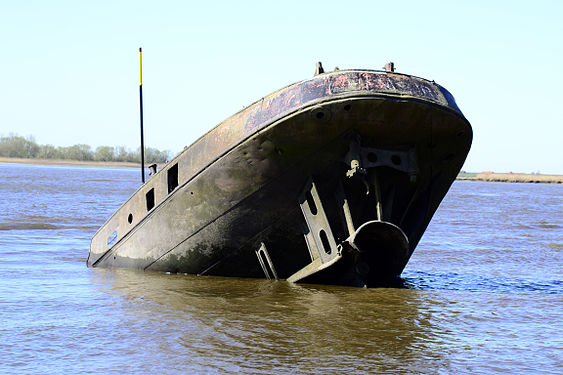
[490,177]
[70,162]
[512,177]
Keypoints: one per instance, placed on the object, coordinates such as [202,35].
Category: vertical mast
[141,110]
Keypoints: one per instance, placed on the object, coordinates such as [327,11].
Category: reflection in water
[227,324]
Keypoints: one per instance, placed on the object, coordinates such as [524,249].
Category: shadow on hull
[332,180]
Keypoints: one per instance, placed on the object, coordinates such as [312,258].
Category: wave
[548,226]
[475,283]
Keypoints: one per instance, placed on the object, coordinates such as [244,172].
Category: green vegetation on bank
[511,177]
[15,146]
[466,175]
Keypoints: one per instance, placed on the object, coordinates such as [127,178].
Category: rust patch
[323,87]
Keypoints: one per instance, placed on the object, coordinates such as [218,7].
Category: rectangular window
[172,178]
[112,238]
[150,199]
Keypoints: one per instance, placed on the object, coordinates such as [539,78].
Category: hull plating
[331,180]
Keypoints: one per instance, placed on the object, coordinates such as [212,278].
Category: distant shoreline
[87,163]
[512,177]
[489,177]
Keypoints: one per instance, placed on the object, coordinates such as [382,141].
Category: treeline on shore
[15,146]
[512,177]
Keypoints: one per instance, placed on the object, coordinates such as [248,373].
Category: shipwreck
[331,180]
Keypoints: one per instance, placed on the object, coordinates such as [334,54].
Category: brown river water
[483,293]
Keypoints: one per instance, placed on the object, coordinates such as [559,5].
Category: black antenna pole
[141,109]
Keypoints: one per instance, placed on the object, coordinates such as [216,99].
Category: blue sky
[69,69]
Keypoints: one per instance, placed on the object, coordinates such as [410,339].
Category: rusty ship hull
[330,180]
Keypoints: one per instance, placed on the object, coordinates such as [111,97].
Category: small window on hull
[112,238]
[172,178]
[150,199]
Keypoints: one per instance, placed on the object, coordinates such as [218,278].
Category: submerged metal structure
[329,180]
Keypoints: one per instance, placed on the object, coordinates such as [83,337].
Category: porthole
[321,114]
[130,218]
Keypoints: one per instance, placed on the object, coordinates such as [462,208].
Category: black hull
[313,176]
